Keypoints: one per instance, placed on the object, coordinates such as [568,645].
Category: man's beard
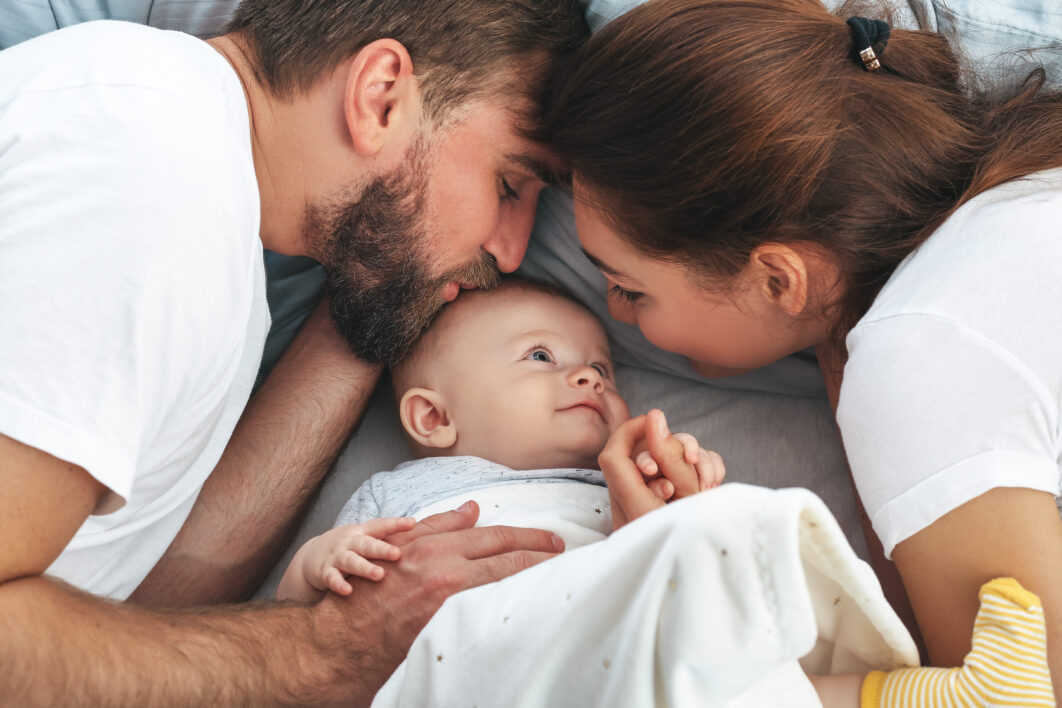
[374,248]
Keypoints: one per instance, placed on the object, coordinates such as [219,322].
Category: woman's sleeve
[933,415]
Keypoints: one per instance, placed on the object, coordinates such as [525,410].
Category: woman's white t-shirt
[132,289]
[954,377]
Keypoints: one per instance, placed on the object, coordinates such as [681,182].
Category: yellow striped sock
[1006,666]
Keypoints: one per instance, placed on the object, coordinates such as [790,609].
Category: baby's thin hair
[401,376]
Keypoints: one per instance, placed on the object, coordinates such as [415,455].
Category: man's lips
[451,290]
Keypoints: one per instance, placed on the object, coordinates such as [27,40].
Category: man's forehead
[537,162]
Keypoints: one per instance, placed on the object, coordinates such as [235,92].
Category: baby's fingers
[353,564]
[662,488]
[385,527]
[691,449]
[710,469]
[336,582]
[646,464]
[369,547]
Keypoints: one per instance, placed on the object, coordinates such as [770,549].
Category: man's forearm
[285,442]
[59,646]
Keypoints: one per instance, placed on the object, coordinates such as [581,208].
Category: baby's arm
[324,561]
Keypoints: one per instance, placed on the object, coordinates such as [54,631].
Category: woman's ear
[780,272]
[380,93]
[425,418]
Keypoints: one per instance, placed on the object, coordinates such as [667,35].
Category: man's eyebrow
[601,265]
[540,169]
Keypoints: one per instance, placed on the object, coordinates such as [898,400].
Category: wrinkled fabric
[722,599]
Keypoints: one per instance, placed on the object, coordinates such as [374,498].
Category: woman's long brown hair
[705,128]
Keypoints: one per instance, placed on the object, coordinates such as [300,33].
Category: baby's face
[528,380]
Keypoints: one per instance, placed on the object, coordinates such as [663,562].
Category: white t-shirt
[954,377]
[132,296]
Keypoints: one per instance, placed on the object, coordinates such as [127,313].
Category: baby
[507,399]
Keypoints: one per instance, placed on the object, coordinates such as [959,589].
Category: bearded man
[141,174]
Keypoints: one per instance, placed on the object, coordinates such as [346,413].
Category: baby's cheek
[620,413]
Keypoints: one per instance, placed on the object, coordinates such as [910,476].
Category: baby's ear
[425,419]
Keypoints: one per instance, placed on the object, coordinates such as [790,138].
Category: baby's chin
[554,459]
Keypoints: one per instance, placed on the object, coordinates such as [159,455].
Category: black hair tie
[867,33]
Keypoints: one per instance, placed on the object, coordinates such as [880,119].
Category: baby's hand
[707,463]
[675,465]
[325,561]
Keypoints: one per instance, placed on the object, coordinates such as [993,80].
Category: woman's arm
[1012,532]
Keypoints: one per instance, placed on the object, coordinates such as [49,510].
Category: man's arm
[286,440]
[59,646]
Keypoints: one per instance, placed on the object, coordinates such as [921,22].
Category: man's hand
[668,467]
[441,555]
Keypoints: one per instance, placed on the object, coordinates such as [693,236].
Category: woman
[752,186]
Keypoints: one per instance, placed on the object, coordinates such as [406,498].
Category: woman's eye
[541,355]
[624,295]
[508,192]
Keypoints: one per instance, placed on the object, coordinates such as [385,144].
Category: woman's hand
[668,467]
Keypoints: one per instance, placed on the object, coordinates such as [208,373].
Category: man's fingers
[494,540]
[462,518]
[494,568]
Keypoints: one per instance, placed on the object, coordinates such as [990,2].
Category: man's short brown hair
[461,49]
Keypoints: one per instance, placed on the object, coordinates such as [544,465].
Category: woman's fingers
[670,454]
[628,488]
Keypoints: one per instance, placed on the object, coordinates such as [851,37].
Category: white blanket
[722,599]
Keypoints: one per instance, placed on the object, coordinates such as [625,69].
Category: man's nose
[587,377]
[509,242]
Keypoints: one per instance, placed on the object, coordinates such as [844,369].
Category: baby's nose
[588,376]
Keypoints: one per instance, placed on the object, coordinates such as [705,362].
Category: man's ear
[425,418]
[780,272]
[380,94]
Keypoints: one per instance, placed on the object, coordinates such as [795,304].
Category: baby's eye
[540,355]
[603,369]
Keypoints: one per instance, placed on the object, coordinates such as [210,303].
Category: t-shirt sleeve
[109,300]
[933,415]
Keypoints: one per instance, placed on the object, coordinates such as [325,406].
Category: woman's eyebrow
[601,265]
